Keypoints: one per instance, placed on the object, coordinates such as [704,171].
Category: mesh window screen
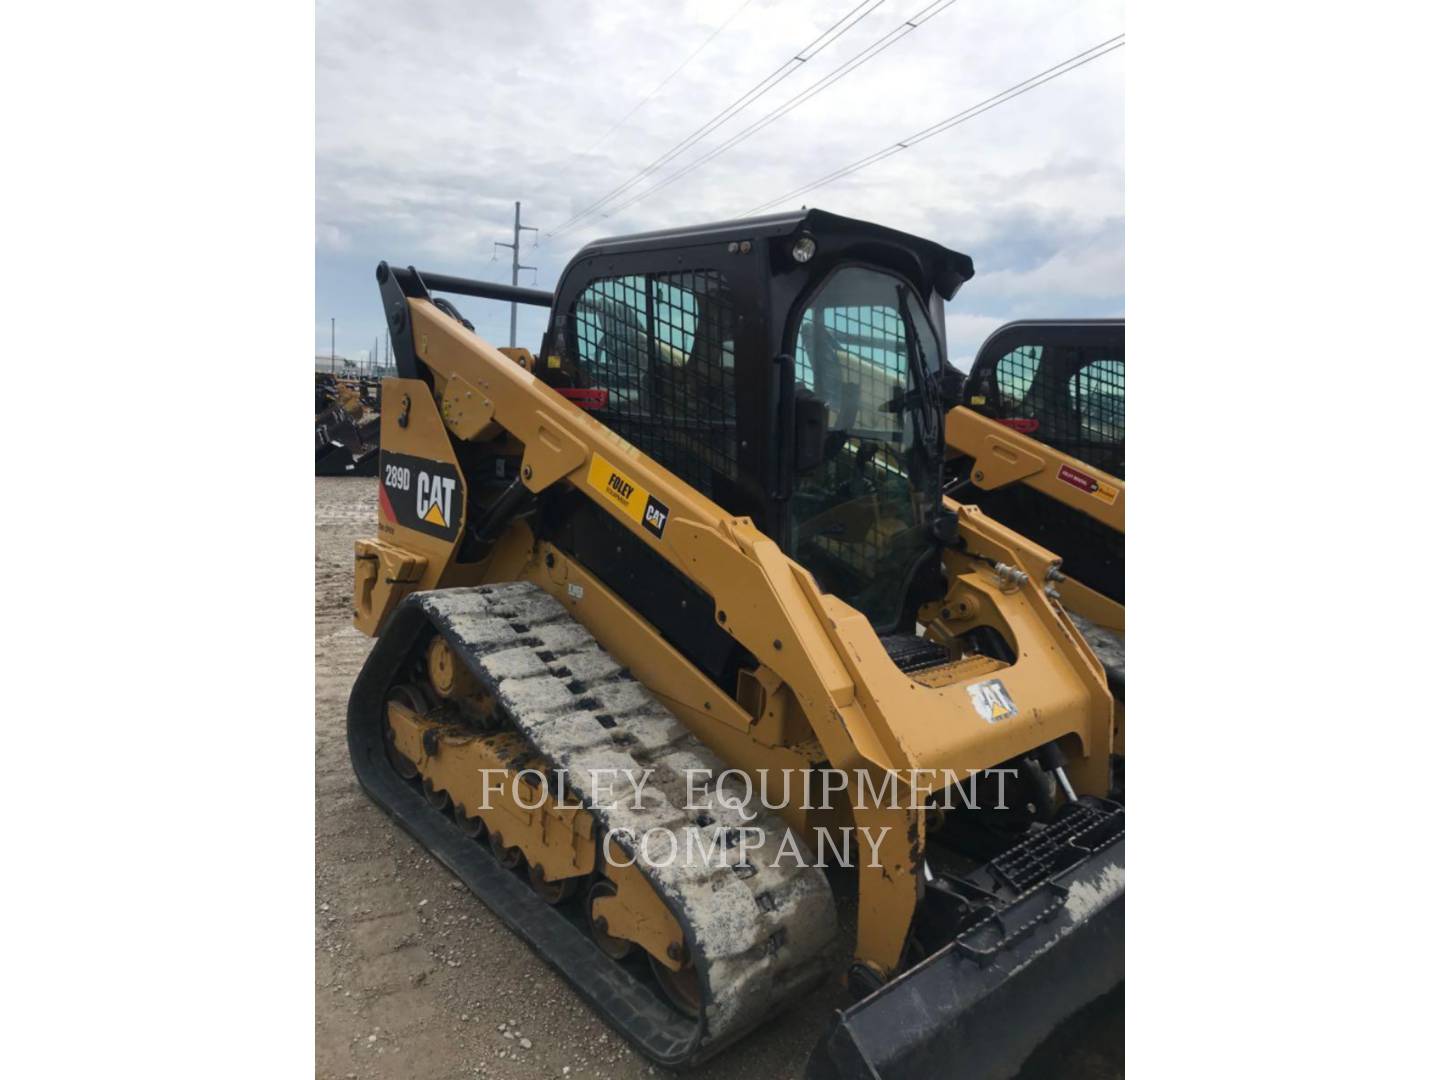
[1075,396]
[663,345]
[1072,398]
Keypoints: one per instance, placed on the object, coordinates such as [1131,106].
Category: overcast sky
[434,116]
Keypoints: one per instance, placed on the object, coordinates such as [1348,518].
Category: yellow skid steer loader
[678,634]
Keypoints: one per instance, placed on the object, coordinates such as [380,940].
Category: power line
[861,58]
[784,71]
[1078,60]
[665,81]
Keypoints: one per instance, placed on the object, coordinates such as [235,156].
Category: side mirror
[812,423]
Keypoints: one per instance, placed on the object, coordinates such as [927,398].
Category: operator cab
[788,367]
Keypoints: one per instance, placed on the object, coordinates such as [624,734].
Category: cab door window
[856,520]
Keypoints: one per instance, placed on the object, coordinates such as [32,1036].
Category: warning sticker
[992,701]
[585,398]
[636,503]
[1022,424]
[1106,493]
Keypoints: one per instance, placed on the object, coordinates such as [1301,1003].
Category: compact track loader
[1035,437]
[679,637]
[1059,383]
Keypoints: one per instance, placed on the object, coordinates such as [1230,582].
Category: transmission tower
[515,265]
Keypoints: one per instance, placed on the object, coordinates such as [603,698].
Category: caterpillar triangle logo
[992,701]
[432,499]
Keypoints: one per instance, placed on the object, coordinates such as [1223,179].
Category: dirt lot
[414,977]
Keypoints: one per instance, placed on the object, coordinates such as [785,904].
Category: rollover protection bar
[420,283]
[397,284]
[486,290]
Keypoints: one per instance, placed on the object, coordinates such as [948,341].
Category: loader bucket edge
[955,1016]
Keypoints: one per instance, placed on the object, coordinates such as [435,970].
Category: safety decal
[637,503]
[421,494]
[992,701]
[1106,493]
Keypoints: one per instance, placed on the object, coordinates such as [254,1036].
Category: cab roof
[939,267]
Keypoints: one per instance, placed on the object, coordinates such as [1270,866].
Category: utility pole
[515,266]
[332,344]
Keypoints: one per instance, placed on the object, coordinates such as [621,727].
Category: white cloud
[331,237]
[433,117]
[966,333]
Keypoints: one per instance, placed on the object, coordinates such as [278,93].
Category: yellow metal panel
[384,574]
[478,772]
[636,913]
[467,412]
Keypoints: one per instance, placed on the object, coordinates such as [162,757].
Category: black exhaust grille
[1081,827]
[912,653]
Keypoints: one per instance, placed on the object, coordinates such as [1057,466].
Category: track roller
[411,698]
[437,797]
[613,947]
[472,827]
[508,857]
[552,892]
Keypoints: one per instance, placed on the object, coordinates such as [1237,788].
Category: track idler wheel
[682,988]
[613,947]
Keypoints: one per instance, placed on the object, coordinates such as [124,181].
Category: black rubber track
[625,1002]
[761,936]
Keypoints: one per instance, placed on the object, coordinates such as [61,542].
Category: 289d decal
[420,494]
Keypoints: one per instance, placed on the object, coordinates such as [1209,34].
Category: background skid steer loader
[1036,438]
[1060,383]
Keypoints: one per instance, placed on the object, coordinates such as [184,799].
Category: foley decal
[420,494]
[636,503]
[992,701]
[1091,485]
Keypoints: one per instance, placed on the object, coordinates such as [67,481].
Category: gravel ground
[414,977]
